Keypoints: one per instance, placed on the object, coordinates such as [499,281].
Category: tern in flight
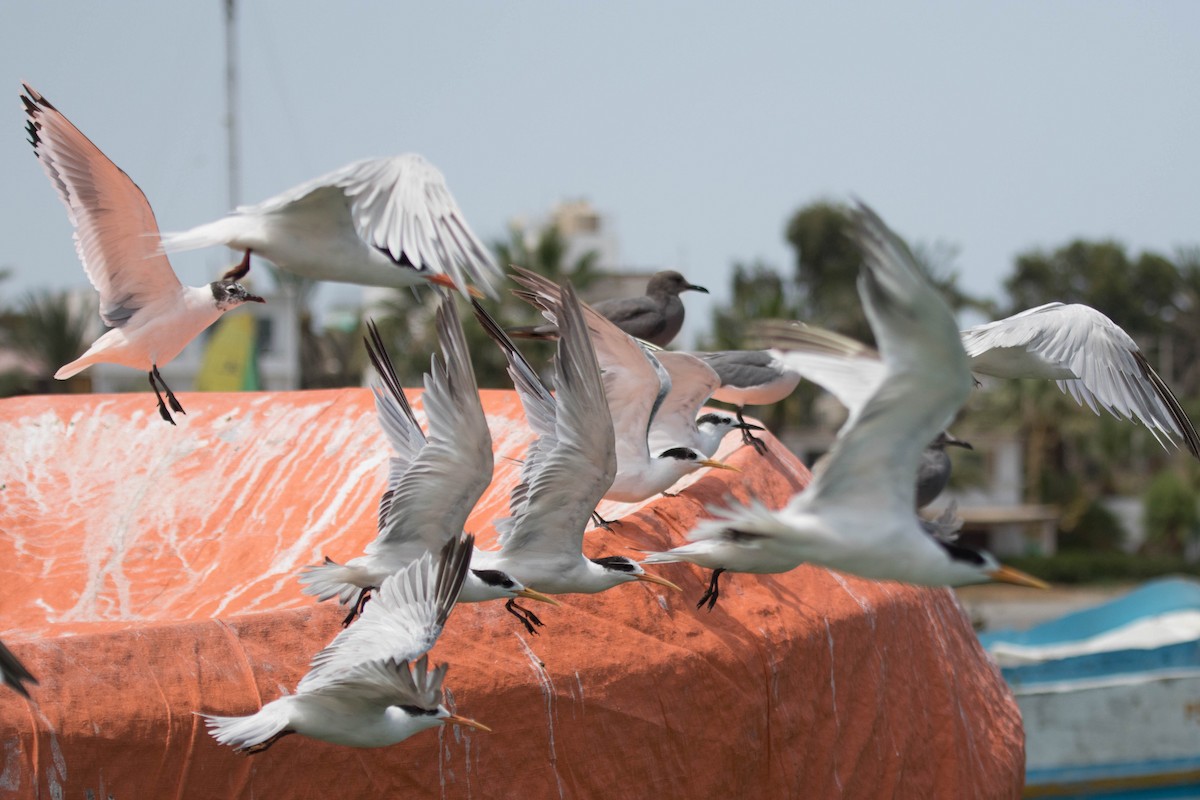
[858,513]
[376,222]
[433,483]
[637,387]
[365,689]
[150,314]
[566,470]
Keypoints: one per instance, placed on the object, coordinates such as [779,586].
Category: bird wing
[575,464]
[742,368]
[396,418]
[1101,364]
[692,383]
[926,381]
[383,683]
[403,619]
[402,206]
[635,383]
[116,235]
[451,472]
[640,317]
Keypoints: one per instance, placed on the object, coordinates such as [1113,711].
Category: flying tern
[151,315]
[637,387]
[655,317]
[377,222]
[566,470]
[365,689]
[433,483]
[858,513]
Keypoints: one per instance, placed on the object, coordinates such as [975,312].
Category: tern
[858,513]
[378,222]
[13,673]
[361,690]
[676,422]
[656,317]
[151,315]
[433,483]
[637,387]
[566,470]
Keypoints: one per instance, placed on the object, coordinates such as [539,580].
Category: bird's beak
[253,298]
[648,578]
[746,426]
[532,595]
[696,288]
[950,440]
[1007,574]
[712,462]
[470,723]
[448,282]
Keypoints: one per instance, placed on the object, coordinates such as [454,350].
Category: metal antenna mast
[233,165]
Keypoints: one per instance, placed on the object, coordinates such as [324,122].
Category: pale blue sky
[698,127]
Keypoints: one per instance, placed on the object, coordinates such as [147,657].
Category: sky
[698,128]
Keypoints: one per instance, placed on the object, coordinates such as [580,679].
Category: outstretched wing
[116,235]
[692,384]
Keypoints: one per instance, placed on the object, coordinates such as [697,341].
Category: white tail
[224,231]
[252,732]
[333,579]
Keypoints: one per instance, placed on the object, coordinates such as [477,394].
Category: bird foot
[758,444]
[713,592]
[527,617]
[357,610]
[601,522]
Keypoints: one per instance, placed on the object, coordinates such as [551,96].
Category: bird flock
[621,419]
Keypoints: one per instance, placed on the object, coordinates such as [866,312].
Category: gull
[566,470]
[361,690]
[378,222]
[13,673]
[637,387]
[677,422]
[750,378]
[151,315]
[1090,357]
[433,483]
[656,317]
[858,513]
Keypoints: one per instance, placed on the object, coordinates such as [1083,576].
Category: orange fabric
[149,572]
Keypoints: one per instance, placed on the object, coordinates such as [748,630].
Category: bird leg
[263,745]
[713,591]
[601,522]
[359,605]
[170,395]
[238,270]
[524,614]
[749,438]
[162,407]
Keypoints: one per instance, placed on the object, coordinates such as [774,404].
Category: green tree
[50,329]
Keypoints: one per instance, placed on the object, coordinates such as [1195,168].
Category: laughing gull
[361,690]
[152,316]
[655,317]
[433,482]
[858,513]
[637,387]
[377,222]
[567,469]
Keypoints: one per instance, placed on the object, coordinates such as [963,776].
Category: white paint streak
[547,687]
[837,724]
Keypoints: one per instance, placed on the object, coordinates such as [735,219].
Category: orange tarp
[149,572]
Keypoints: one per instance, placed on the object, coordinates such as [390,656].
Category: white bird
[858,513]
[566,470]
[361,691]
[152,316]
[636,386]
[377,222]
[432,483]
[1090,357]
[13,673]
[676,423]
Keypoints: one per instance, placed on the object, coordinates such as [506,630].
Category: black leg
[170,395]
[162,408]
[749,438]
[238,270]
[601,522]
[714,590]
[527,617]
[359,605]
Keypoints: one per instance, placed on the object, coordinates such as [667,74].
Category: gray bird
[656,317]
[933,473]
[750,378]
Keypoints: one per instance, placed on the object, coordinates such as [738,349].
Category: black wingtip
[1187,430]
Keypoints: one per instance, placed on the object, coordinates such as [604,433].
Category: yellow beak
[648,578]
[542,598]
[1015,576]
[712,462]
[470,723]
